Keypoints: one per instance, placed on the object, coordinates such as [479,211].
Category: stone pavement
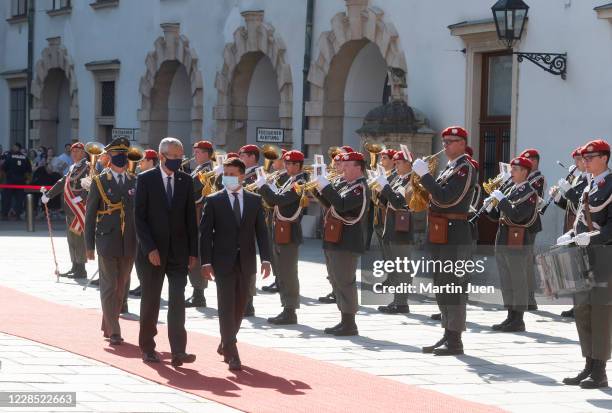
[517,372]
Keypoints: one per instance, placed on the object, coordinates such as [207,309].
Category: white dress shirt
[116,176]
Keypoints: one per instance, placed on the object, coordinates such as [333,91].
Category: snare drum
[565,270]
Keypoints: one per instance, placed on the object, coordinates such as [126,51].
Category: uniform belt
[450,215]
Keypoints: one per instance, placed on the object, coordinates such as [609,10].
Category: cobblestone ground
[518,372]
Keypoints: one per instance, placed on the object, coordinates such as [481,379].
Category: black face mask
[119,160]
[173,164]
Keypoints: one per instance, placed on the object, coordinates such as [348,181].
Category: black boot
[249,311]
[516,324]
[330,330]
[272,288]
[442,341]
[197,299]
[497,327]
[79,272]
[69,272]
[598,378]
[328,299]
[586,372]
[436,316]
[136,292]
[286,317]
[348,327]
[568,313]
[453,346]
[394,308]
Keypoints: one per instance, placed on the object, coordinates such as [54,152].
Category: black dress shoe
[568,313]
[234,363]
[195,301]
[437,316]
[286,317]
[150,357]
[115,339]
[249,311]
[272,288]
[328,299]
[394,309]
[136,292]
[180,358]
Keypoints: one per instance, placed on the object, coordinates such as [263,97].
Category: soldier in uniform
[344,236]
[593,227]
[377,210]
[517,212]
[75,196]
[17,168]
[397,236]
[150,161]
[449,233]
[109,228]
[249,154]
[286,234]
[202,151]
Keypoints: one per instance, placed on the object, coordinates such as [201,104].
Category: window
[19,8]
[107,95]
[60,4]
[18,115]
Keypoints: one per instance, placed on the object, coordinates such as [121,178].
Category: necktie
[169,190]
[120,180]
[236,207]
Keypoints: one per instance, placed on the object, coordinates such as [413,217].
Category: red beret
[150,154]
[597,145]
[389,152]
[576,152]
[203,145]
[455,131]
[530,153]
[352,156]
[399,156]
[249,149]
[77,145]
[522,161]
[293,156]
[469,151]
[232,155]
[347,149]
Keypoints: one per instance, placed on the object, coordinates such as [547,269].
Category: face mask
[173,164]
[230,182]
[119,160]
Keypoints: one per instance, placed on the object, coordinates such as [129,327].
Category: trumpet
[135,155]
[419,198]
[271,153]
[493,183]
[374,149]
[305,187]
[93,149]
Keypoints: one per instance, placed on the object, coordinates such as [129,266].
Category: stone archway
[351,32]
[52,69]
[254,41]
[172,51]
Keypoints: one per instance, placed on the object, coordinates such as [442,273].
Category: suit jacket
[221,236]
[104,231]
[170,229]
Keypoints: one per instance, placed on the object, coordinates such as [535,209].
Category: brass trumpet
[93,149]
[374,149]
[419,198]
[135,154]
[271,153]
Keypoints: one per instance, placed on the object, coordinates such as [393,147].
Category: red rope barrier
[36,187]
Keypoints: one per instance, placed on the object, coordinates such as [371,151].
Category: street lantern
[510,17]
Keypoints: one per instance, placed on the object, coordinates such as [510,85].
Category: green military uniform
[570,200]
[198,282]
[269,217]
[348,204]
[285,207]
[516,212]
[109,228]
[74,197]
[450,197]
[396,241]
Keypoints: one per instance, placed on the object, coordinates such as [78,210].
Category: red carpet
[271,380]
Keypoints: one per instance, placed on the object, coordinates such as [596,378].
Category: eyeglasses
[590,157]
[447,142]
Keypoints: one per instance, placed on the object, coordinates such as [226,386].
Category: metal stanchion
[30,203]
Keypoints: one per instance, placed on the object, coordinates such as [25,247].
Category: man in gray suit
[109,227]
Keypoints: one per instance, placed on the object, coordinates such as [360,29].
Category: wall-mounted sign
[270,135]
[131,134]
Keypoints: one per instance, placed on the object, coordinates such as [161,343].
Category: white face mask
[230,182]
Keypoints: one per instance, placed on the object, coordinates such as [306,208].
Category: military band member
[286,234]
[449,233]
[516,211]
[377,211]
[150,161]
[344,237]
[202,152]
[109,228]
[477,197]
[397,233]
[75,197]
[593,226]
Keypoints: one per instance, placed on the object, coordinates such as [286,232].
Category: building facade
[221,69]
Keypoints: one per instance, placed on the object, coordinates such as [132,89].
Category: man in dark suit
[167,234]
[233,219]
